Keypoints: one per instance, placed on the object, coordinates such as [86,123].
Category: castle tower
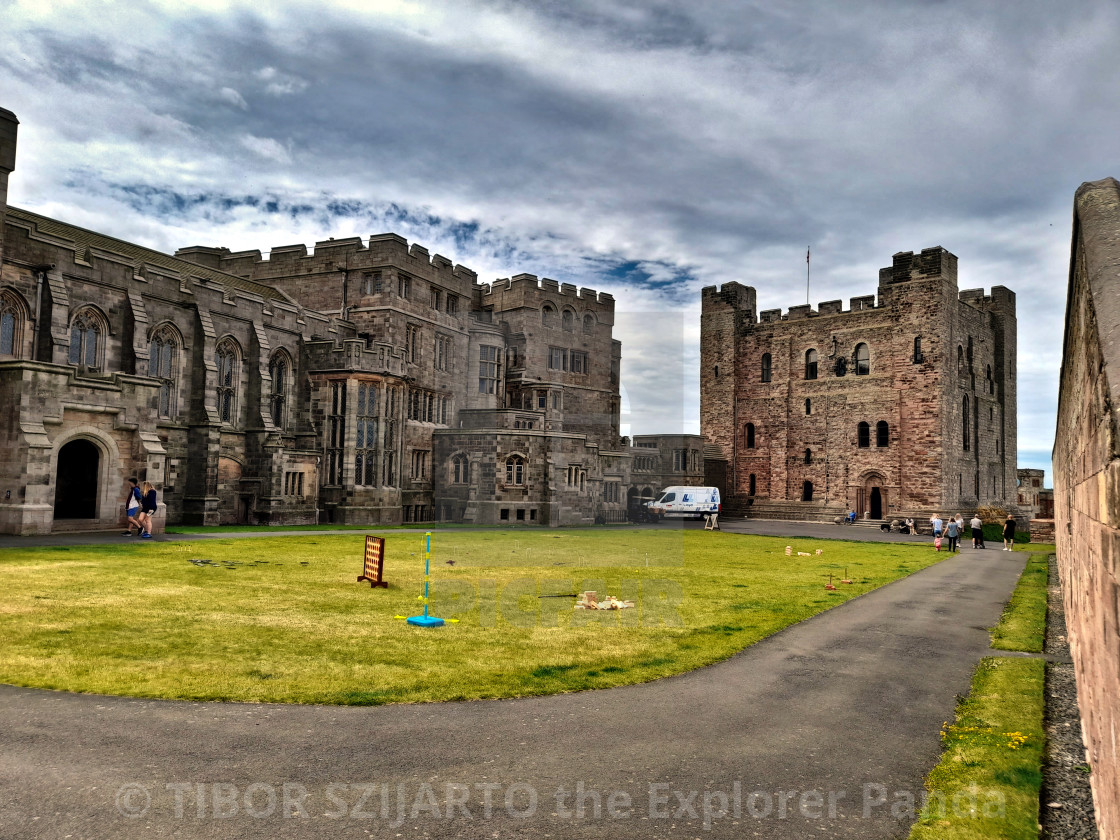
[8,127]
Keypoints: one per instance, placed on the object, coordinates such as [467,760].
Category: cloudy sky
[643,148]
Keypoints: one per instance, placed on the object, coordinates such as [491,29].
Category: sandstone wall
[1087,484]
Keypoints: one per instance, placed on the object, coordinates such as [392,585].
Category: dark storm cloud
[645,148]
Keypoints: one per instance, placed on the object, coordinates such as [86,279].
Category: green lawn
[987,784]
[282,619]
[1023,623]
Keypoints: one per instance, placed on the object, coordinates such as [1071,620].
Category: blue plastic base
[426,621]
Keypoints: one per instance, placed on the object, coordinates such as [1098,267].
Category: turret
[8,128]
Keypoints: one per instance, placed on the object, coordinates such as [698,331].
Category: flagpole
[807,274]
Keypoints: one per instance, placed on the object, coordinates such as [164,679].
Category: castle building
[1034,499]
[361,382]
[901,405]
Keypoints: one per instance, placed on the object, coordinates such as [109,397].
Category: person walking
[937,525]
[1009,533]
[977,526]
[147,509]
[953,532]
[132,506]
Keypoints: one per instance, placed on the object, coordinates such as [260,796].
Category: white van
[695,502]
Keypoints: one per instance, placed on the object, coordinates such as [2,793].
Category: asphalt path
[826,729]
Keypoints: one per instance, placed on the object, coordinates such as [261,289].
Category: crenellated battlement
[350,253]
[535,290]
[931,262]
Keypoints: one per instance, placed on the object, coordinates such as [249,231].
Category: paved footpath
[814,732]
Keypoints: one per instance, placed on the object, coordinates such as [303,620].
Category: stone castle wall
[930,349]
[1087,484]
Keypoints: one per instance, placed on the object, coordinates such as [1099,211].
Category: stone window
[588,324]
[807,491]
[965,424]
[808,456]
[487,369]
[227,358]
[918,357]
[443,352]
[404,286]
[336,432]
[960,359]
[412,343]
[882,434]
[752,485]
[420,460]
[452,304]
[863,435]
[293,484]
[765,367]
[557,400]
[365,458]
[991,414]
[460,469]
[515,470]
[568,320]
[811,364]
[808,406]
[372,282]
[991,382]
[542,400]
[13,316]
[548,315]
[750,435]
[680,460]
[279,369]
[863,360]
[611,492]
[435,298]
[557,358]
[504,514]
[87,332]
[163,352]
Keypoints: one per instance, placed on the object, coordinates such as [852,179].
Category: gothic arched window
[515,470]
[460,469]
[163,352]
[13,316]
[588,324]
[279,369]
[567,320]
[765,367]
[227,359]
[87,332]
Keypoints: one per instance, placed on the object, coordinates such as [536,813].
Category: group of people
[140,503]
[954,531]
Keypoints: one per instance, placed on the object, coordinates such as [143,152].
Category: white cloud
[232,97]
[266,147]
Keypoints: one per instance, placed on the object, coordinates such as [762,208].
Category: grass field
[1023,623]
[987,784]
[282,619]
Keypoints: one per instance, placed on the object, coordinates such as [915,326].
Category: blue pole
[427,562]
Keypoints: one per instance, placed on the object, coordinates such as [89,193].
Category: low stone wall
[1087,484]
[1042,531]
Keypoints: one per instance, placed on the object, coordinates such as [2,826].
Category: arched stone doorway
[76,480]
[871,496]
